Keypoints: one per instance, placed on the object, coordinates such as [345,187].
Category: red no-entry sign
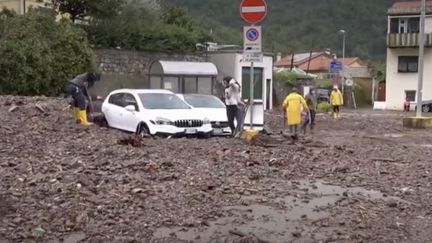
[253,11]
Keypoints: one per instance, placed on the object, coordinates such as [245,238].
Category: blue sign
[335,66]
[252,34]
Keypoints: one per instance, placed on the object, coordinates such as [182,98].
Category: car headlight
[206,121]
[163,121]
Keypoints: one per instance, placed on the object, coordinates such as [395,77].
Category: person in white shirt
[232,101]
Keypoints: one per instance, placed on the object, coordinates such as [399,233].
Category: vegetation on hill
[299,25]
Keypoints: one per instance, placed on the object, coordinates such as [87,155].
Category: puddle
[75,237]
[394,135]
[322,189]
[267,222]
[278,219]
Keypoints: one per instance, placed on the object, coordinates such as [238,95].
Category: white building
[403,51]
[230,63]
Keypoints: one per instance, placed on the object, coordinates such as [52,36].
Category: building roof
[183,68]
[350,60]
[319,61]
[412,7]
[299,58]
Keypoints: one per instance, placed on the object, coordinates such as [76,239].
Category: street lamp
[343,32]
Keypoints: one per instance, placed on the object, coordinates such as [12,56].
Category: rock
[38,232]
[138,190]
[296,234]
[392,204]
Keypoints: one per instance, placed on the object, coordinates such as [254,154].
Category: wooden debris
[383,159]
[40,108]
[13,108]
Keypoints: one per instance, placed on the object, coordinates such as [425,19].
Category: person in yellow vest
[336,100]
[292,107]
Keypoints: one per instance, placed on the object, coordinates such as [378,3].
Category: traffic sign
[335,67]
[252,39]
[349,82]
[253,11]
[253,57]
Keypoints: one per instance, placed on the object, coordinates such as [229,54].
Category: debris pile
[62,181]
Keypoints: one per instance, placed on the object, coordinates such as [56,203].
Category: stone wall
[120,62]
[128,69]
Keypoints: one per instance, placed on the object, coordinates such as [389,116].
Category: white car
[212,108]
[153,112]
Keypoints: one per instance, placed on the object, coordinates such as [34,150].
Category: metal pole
[421,61]
[343,63]
[251,96]
[21,7]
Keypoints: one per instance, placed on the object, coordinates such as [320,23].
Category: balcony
[407,40]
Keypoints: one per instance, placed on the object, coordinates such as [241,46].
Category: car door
[130,119]
[112,110]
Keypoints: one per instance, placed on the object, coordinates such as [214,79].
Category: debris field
[363,178]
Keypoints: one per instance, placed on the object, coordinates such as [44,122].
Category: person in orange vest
[336,100]
[292,107]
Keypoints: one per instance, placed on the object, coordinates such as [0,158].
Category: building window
[413,25]
[405,25]
[410,95]
[408,64]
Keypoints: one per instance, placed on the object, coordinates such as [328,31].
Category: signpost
[253,12]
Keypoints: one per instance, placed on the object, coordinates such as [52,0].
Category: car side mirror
[130,108]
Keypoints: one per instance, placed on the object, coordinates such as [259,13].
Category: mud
[363,178]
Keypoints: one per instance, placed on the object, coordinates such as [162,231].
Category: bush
[324,84]
[39,55]
[290,78]
[324,106]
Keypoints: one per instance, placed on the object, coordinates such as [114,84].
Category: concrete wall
[14,4]
[428,24]
[134,62]
[397,82]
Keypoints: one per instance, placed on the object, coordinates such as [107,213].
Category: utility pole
[343,32]
[421,61]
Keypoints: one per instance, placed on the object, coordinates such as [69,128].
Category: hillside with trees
[299,25]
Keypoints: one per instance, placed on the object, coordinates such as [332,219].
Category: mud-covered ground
[363,178]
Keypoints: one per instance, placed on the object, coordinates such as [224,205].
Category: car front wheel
[143,131]
[426,108]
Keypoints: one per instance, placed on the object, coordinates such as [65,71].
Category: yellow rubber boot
[76,115]
[338,115]
[83,118]
[334,115]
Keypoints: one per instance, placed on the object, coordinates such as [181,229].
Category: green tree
[39,55]
[138,27]
[80,9]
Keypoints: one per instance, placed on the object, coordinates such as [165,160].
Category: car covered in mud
[212,108]
[153,112]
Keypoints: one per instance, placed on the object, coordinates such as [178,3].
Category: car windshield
[162,101]
[203,101]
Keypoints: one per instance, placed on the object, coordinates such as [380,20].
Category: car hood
[213,114]
[174,115]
